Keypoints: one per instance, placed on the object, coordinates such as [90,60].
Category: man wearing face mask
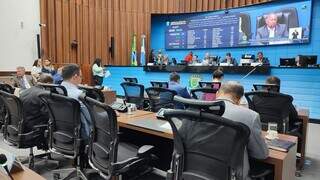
[231,92]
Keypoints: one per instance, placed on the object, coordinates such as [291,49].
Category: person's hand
[117,113]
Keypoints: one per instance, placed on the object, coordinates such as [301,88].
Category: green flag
[134,51]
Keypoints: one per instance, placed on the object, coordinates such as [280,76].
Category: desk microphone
[3,161]
[255,67]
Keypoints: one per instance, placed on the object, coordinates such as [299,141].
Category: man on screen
[272,29]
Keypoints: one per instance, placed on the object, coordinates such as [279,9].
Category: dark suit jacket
[17,81]
[34,110]
[265,61]
[281,31]
[233,61]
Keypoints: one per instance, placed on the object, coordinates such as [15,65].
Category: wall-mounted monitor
[268,24]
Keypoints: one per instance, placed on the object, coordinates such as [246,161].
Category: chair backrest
[14,117]
[205,94]
[103,141]
[206,146]
[64,123]
[93,92]
[7,88]
[272,107]
[160,98]
[130,79]
[266,87]
[54,88]
[208,84]
[162,84]
[134,93]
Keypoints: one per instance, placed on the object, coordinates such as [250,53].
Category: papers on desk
[280,145]
[156,125]
[107,74]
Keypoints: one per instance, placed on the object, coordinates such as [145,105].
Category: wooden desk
[284,163]
[27,174]
[304,117]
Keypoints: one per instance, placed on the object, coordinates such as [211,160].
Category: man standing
[34,110]
[22,80]
[272,29]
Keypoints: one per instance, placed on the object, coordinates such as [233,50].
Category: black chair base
[75,172]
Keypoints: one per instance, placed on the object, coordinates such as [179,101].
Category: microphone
[255,67]
[3,161]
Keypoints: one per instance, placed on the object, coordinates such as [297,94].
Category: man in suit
[175,85]
[272,29]
[230,60]
[262,60]
[22,80]
[34,110]
[231,93]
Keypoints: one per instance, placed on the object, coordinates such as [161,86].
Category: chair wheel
[56,176]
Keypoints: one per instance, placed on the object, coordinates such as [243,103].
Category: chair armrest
[123,166]
[299,124]
[169,175]
[261,174]
[145,151]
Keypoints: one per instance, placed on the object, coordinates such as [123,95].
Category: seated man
[231,93]
[262,60]
[293,114]
[72,77]
[272,29]
[174,84]
[34,110]
[189,57]
[230,60]
[57,78]
[22,80]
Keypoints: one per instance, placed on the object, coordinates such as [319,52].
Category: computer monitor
[162,84]
[266,87]
[131,79]
[288,62]
[307,60]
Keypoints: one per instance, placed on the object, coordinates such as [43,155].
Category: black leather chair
[160,98]
[272,107]
[287,16]
[205,94]
[64,134]
[214,149]
[7,88]
[208,84]
[15,133]
[93,92]
[266,87]
[134,93]
[106,154]
[130,79]
[54,88]
[162,84]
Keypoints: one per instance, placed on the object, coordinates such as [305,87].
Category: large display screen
[270,24]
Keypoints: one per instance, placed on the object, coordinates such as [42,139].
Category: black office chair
[7,88]
[205,94]
[54,88]
[160,98]
[266,87]
[106,154]
[162,84]
[206,146]
[287,16]
[134,93]
[272,107]
[64,134]
[16,132]
[93,92]
[208,84]
[130,79]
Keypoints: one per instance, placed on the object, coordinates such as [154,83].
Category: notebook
[280,145]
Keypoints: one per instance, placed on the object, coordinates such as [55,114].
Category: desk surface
[27,174]
[284,162]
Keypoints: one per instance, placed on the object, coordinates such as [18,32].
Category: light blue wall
[272,52]
[302,84]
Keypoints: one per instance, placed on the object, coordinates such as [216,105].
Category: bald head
[231,89]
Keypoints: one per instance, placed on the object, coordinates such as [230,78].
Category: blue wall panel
[302,84]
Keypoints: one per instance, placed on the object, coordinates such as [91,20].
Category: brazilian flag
[134,61]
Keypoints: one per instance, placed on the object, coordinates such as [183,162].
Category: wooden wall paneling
[51,28]
[182,6]
[243,2]
[98,30]
[235,3]
[140,7]
[126,28]
[217,4]
[73,31]
[117,36]
[199,5]
[205,5]
[110,27]
[92,31]
[165,7]
[65,32]
[59,35]
[44,29]
[104,36]
[176,7]
[188,5]
[85,32]
[193,5]
[79,31]
[146,6]
[211,5]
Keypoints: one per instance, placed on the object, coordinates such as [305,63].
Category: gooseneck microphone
[3,161]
